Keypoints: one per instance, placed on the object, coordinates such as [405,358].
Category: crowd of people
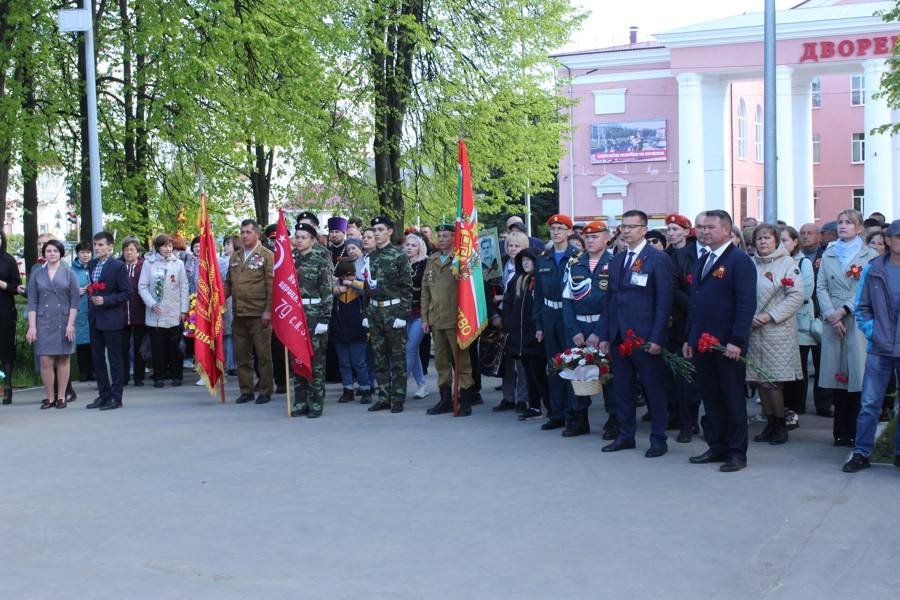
[748,307]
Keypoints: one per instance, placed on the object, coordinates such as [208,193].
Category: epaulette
[545,253]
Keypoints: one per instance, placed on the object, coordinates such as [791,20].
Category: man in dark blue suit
[639,300]
[723,302]
[110,289]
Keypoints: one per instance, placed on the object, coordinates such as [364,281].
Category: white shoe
[421,392]
[199,382]
[187,363]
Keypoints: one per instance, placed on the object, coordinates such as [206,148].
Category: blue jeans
[352,357]
[875,381]
[228,343]
[413,361]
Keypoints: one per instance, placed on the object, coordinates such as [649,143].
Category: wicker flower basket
[586,388]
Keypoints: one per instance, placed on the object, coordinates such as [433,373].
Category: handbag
[490,352]
[146,349]
[815,330]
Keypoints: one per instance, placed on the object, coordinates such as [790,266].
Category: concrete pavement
[178,496]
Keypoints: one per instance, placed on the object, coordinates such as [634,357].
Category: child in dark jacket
[522,344]
[348,333]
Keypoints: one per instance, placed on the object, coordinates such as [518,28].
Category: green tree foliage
[308,104]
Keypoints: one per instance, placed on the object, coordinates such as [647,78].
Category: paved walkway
[178,496]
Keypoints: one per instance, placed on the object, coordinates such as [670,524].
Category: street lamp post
[74,20]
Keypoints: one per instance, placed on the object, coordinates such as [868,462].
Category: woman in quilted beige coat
[843,344]
[773,340]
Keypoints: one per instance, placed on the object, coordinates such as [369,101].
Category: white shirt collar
[721,249]
[640,248]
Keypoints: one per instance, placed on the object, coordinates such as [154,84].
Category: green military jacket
[389,277]
[314,279]
[439,293]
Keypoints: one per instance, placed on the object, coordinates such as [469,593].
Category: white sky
[610,19]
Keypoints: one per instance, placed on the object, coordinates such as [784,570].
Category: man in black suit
[109,289]
[639,300]
[723,302]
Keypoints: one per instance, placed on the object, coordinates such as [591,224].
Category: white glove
[321,328]
[365,323]
[399,323]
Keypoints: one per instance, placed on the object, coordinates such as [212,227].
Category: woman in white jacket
[164,289]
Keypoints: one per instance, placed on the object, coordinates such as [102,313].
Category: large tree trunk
[29,177]
[391,64]
[261,180]
[6,39]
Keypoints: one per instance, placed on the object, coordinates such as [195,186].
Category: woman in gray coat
[843,344]
[53,300]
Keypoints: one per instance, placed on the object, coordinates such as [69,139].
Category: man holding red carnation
[722,307]
[638,304]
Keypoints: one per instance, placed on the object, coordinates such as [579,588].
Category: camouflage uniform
[314,279]
[388,283]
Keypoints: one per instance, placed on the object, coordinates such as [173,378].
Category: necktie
[710,259]
[628,260]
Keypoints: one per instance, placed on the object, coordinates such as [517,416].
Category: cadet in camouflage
[387,279]
[314,280]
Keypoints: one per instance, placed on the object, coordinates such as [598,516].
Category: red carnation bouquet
[786,284]
[677,363]
[710,343]
[586,363]
[92,288]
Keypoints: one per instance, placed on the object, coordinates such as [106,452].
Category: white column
[784,112]
[878,181]
[691,186]
[716,146]
[801,100]
[895,165]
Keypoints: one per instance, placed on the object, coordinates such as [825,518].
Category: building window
[859,148]
[816,87]
[760,136]
[857,90]
[742,130]
[743,196]
[759,202]
[817,148]
[817,204]
[44,229]
[859,199]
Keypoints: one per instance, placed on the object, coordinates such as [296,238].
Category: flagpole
[456,380]
[287,379]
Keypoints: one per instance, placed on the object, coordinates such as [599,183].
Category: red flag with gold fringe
[208,348]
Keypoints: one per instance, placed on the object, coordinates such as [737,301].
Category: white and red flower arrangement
[585,363]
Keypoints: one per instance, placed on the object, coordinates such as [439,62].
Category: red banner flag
[208,347]
[288,317]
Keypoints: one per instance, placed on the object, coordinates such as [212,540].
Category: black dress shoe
[822,412]
[732,464]
[263,399]
[300,412]
[553,424]
[708,457]
[231,372]
[379,406]
[656,451]
[244,398]
[159,384]
[619,445]
[314,414]
[138,383]
[112,405]
[71,397]
[97,403]
[504,405]
[684,436]
[176,383]
[609,435]
[396,407]
[280,390]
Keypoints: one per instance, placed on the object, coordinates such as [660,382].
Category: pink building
[676,125]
